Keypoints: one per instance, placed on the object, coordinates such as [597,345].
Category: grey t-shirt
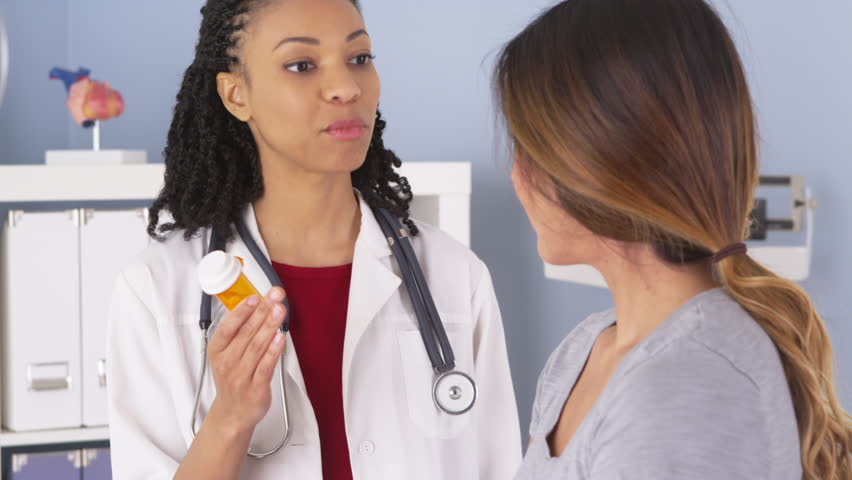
[704,396]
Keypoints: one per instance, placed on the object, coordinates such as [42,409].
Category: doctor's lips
[347,130]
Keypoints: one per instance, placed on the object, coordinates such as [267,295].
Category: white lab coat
[394,429]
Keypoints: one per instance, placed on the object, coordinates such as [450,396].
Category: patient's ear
[232,90]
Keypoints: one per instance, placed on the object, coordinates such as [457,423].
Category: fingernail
[278,311]
[253,300]
[276,295]
[278,337]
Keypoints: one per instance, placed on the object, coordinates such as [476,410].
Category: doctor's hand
[243,354]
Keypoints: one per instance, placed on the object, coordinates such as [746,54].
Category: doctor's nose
[341,88]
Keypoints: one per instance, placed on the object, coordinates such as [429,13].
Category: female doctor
[276,127]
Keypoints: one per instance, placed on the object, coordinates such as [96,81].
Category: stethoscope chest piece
[454,392]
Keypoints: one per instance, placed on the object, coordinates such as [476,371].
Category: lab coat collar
[370,237]
[373,283]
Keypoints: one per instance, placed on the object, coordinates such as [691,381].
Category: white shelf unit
[41,437]
[448,181]
[42,183]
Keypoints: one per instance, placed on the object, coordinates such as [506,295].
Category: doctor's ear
[232,91]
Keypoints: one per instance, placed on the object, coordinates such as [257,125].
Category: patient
[635,153]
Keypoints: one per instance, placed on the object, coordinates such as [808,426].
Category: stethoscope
[453,392]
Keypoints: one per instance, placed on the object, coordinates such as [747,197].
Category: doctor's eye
[300,67]
[362,59]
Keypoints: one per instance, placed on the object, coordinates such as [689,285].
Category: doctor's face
[307,87]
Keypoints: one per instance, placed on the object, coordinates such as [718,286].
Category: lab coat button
[367,448]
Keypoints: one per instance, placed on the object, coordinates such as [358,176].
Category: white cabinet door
[41,320]
[109,240]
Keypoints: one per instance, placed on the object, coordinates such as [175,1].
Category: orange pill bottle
[221,274]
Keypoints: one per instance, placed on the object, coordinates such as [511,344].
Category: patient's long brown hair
[638,113]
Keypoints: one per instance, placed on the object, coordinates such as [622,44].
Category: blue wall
[33,115]
[142,49]
[435,59]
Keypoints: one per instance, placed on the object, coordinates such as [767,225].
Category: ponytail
[787,315]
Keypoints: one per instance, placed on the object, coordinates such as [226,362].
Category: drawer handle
[42,377]
[102,372]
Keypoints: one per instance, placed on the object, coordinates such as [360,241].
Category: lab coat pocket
[420,377]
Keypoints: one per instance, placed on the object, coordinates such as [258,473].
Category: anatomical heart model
[88,100]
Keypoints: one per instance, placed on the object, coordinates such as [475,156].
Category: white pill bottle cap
[218,271]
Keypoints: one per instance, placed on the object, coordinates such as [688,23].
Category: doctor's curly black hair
[212,165]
